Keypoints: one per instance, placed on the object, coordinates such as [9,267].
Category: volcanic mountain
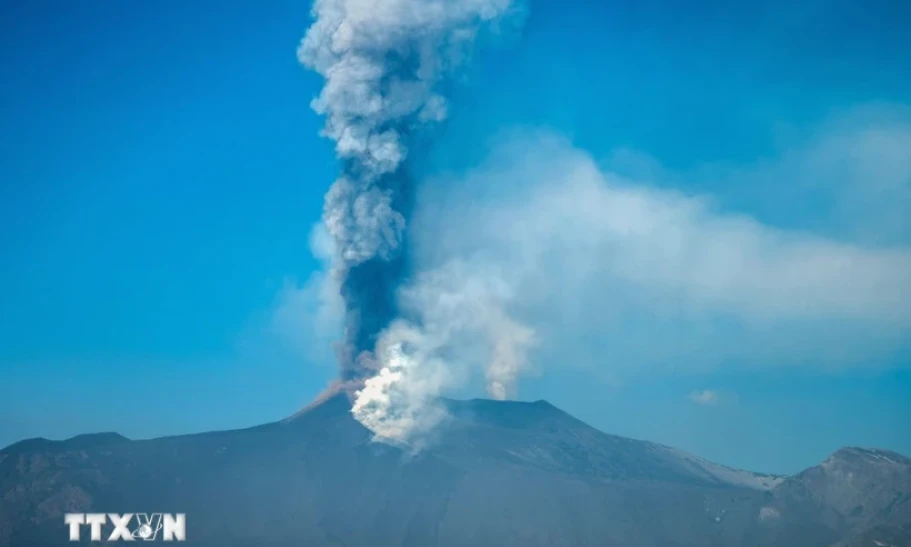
[497,474]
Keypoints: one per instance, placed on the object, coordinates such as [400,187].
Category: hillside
[499,473]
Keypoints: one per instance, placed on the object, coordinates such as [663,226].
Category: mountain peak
[858,456]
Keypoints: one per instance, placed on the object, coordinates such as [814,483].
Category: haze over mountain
[498,473]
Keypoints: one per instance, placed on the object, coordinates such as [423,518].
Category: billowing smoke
[383,61]
[460,324]
[611,272]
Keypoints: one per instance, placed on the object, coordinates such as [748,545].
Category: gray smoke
[382,61]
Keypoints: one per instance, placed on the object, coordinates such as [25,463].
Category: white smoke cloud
[554,215]
[466,305]
[461,326]
[381,62]
[399,403]
[542,251]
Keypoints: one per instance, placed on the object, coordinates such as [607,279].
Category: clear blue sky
[160,170]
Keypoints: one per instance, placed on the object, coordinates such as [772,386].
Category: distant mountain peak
[79,442]
[867,455]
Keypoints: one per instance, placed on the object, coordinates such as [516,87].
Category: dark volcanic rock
[499,473]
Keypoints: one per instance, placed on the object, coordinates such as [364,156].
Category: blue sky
[160,172]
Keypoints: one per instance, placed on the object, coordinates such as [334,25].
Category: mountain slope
[863,490]
[499,473]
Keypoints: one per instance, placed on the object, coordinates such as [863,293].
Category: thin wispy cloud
[704,397]
[848,178]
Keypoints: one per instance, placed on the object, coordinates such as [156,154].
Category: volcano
[498,473]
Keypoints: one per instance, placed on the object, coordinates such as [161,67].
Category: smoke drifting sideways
[383,62]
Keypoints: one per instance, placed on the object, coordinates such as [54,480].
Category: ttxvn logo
[129,526]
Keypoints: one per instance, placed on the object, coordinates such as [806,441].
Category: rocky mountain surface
[498,473]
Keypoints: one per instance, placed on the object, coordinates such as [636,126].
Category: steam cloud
[382,62]
[461,309]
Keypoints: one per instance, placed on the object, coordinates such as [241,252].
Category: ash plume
[382,62]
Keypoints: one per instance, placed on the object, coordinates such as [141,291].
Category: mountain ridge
[498,473]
